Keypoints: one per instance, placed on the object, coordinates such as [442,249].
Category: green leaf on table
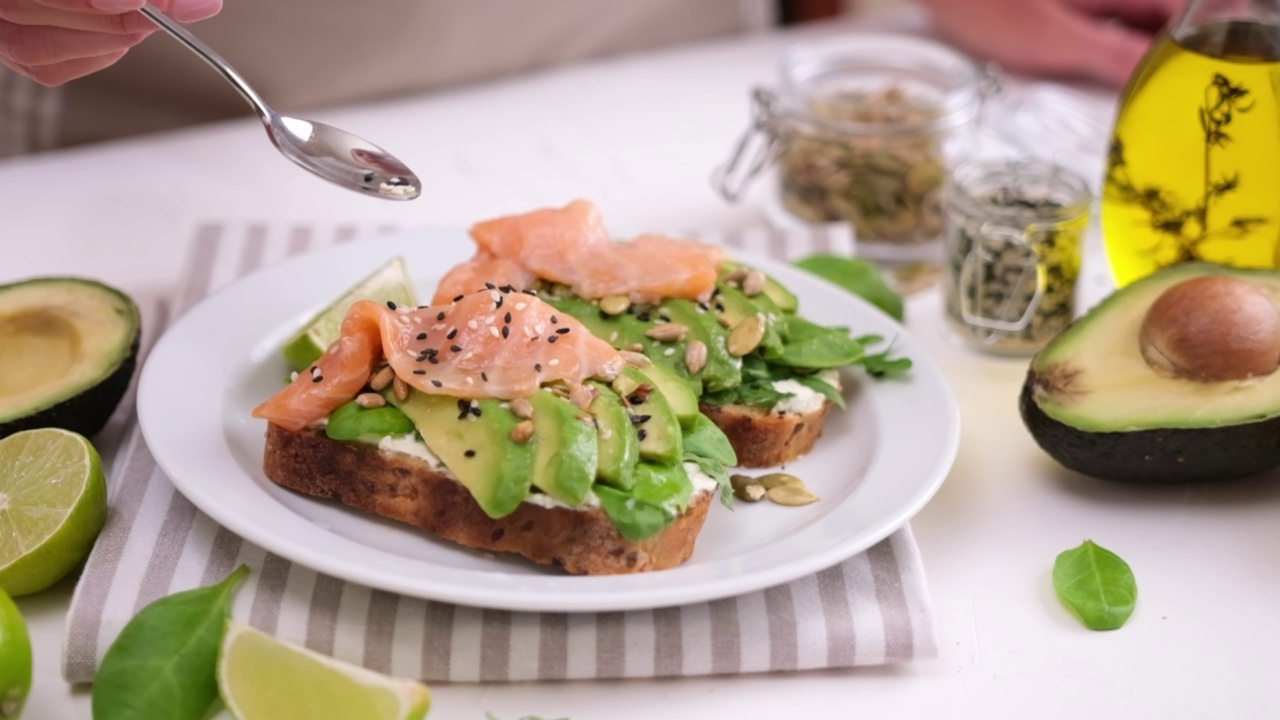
[859,277]
[163,664]
[1096,584]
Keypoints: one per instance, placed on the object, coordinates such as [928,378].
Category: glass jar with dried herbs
[864,129]
[1014,241]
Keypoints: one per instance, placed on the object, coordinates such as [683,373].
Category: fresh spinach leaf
[815,347]
[667,486]
[708,447]
[858,277]
[163,664]
[635,520]
[824,388]
[1096,584]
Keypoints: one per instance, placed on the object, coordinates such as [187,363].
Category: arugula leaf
[859,277]
[881,365]
[1096,584]
[826,389]
[163,664]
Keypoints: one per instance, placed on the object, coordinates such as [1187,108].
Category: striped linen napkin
[871,609]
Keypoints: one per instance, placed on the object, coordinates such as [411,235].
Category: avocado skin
[1160,456]
[87,412]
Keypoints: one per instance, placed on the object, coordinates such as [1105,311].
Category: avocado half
[68,348]
[1093,403]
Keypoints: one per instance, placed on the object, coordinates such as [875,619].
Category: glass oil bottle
[1194,168]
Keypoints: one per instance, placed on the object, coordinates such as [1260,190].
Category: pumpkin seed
[746,335]
[791,495]
[615,304]
[747,488]
[773,480]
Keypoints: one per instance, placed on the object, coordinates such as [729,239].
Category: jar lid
[870,63]
[1020,192]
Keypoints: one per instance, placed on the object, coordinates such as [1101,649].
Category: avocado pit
[1212,329]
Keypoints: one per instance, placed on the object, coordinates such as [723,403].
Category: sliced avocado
[781,297]
[68,348]
[619,446]
[1094,403]
[352,422]
[566,448]
[478,450]
[722,369]
[677,391]
[655,422]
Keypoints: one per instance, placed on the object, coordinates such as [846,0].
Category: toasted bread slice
[581,541]
[763,438]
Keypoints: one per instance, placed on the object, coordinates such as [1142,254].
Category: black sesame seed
[419,372]
[391,305]
[484,376]
[452,334]
[507,288]
[316,378]
[464,405]
[643,317]
[506,318]
[458,298]
[368,177]
[554,319]
[703,306]
[561,331]
[719,307]
[475,410]
[470,453]
[456,348]
[635,400]
[553,338]
[422,336]
[498,305]
[506,331]
[640,419]
[463,415]
[440,315]
[642,434]
[437,383]
[433,360]
[491,286]
[537,367]
[604,315]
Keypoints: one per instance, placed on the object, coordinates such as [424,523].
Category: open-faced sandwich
[498,421]
[761,372]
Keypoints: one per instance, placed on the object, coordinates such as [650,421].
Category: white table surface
[639,135]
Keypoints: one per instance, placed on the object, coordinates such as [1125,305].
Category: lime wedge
[15,659]
[53,503]
[388,283]
[262,678]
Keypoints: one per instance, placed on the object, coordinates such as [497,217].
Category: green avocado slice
[655,422]
[619,446]
[68,349]
[565,455]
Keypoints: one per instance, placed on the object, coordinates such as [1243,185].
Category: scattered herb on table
[163,663]
[1096,584]
[859,277]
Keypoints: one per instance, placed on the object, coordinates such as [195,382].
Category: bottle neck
[1199,14]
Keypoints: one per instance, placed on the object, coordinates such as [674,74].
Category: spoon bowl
[328,152]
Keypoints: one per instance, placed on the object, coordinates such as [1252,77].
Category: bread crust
[765,439]
[404,488]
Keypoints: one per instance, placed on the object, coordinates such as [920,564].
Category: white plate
[874,468]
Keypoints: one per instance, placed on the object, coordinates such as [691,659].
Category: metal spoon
[333,154]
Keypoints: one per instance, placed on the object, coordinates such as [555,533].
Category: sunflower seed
[522,408]
[370,400]
[753,283]
[522,431]
[668,332]
[381,379]
[695,356]
[400,388]
[635,359]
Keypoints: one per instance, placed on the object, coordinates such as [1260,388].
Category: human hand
[55,41]
[1102,39]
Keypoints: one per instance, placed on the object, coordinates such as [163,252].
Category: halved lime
[388,283]
[262,678]
[53,504]
[15,659]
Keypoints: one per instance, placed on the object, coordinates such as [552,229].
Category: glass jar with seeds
[864,129]
[1015,234]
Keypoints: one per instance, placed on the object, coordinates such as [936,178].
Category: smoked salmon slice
[571,246]
[496,343]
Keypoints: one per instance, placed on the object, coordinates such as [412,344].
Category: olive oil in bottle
[1194,168]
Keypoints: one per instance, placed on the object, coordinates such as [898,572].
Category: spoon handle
[206,53]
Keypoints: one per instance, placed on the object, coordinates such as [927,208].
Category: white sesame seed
[293,376]
[467,355]
[605,433]
[490,320]
[613,336]
[472,324]
[669,352]
[470,380]
[521,306]
[553,361]
[493,331]
[495,295]
[438,326]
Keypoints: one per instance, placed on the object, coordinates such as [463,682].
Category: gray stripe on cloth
[199,271]
[438,633]
[379,630]
[495,645]
[668,642]
[222,557]
[611,645]
[553,646]
[268,594]
[899,640]
[322,621]
[842,642]
[781,612]
[255,244]
[299,240]
[726,638]
[168,550]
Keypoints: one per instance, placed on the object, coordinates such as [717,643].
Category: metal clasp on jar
[757,147]
[995,276]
